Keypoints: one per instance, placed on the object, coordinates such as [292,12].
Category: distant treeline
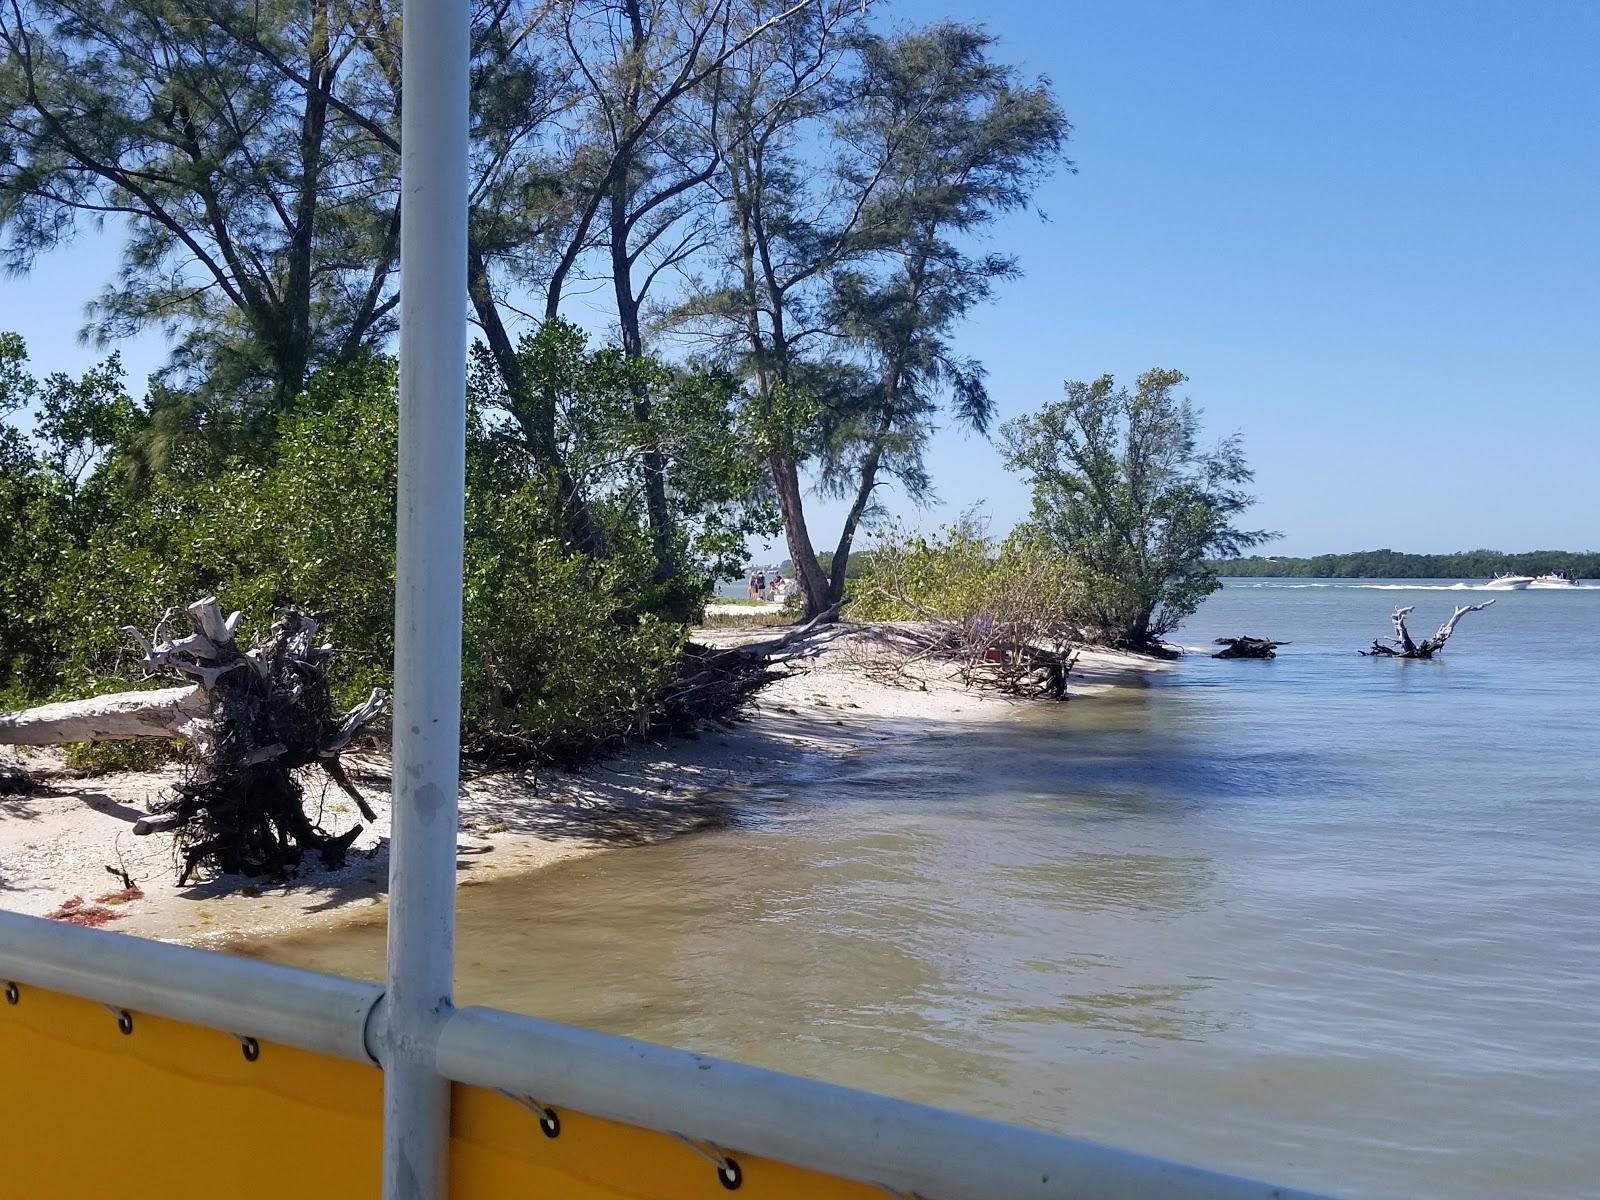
[1392,564]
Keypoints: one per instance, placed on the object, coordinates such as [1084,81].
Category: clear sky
[1368,232]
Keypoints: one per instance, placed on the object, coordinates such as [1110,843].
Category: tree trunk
[652,461]
[536,421]
[320,73]
[852,521]
[813,583]
[122,716]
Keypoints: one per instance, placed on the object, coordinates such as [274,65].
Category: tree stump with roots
[252,718]
[1247,647]
[1403,646]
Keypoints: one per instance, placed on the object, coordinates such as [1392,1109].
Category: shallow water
[1327,919]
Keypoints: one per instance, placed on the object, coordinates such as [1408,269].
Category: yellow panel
[88,1113]
[498,1150]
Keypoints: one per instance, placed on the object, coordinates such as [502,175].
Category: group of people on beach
[763,588]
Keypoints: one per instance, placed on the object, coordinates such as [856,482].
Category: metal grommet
[124,1018]
[549,1119]
[251,1047]
[729,1173]
[13,993]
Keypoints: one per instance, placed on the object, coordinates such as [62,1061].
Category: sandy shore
[57,844]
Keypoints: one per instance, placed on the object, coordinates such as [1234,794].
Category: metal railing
[909,1149]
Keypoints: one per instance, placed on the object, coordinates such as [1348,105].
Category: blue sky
[1369,233]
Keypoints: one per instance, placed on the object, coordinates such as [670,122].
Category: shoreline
[63,840]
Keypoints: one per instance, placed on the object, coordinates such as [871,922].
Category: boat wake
[1382,587]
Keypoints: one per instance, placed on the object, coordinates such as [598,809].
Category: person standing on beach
[761,585]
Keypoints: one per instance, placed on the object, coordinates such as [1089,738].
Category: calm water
[1326,919]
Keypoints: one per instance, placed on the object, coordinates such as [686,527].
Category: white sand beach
[61,844]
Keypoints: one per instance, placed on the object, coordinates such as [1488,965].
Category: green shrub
[962,573]
[1122,485]
[104,758]
[554,648]
[559,649]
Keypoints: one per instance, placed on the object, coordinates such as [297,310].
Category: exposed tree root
[1402,645]
[710,683]
[1247,647]
[986,653]
[252,720]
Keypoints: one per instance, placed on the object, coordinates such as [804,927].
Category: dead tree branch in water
[1402,644]
[1247,647]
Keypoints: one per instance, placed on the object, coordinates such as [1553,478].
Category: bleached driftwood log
[122,716]
[252,717]
[1403,646]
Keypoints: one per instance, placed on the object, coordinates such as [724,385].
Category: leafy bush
[963,574]
[554,651]
[914,578]
[561,649]
[104,758]
[1005,611]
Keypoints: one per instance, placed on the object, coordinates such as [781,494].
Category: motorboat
[1509,583]
[1554,579]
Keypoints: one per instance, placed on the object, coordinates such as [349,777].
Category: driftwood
[252,719]
[986,653]
[827,617]
[1247,647]
[163,713]
[1402,644]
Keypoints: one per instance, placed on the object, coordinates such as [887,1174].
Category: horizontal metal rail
[908,1148]
[317,1012]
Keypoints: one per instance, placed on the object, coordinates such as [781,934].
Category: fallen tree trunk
[827,617]
[252,719]
[1403,646]
[122,716]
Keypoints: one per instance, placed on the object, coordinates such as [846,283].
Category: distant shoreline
[1465,565]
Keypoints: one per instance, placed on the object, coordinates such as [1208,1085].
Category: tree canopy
[1122,485]
[781,207]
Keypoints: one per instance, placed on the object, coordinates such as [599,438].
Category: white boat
[1509,583]
[1554,579]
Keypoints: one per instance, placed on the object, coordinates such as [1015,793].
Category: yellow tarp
[173,1110]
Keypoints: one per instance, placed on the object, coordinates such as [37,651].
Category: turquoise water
[1326,919]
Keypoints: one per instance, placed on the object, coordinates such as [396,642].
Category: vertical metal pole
[428,571]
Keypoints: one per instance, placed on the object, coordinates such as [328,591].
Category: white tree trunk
[162,713]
